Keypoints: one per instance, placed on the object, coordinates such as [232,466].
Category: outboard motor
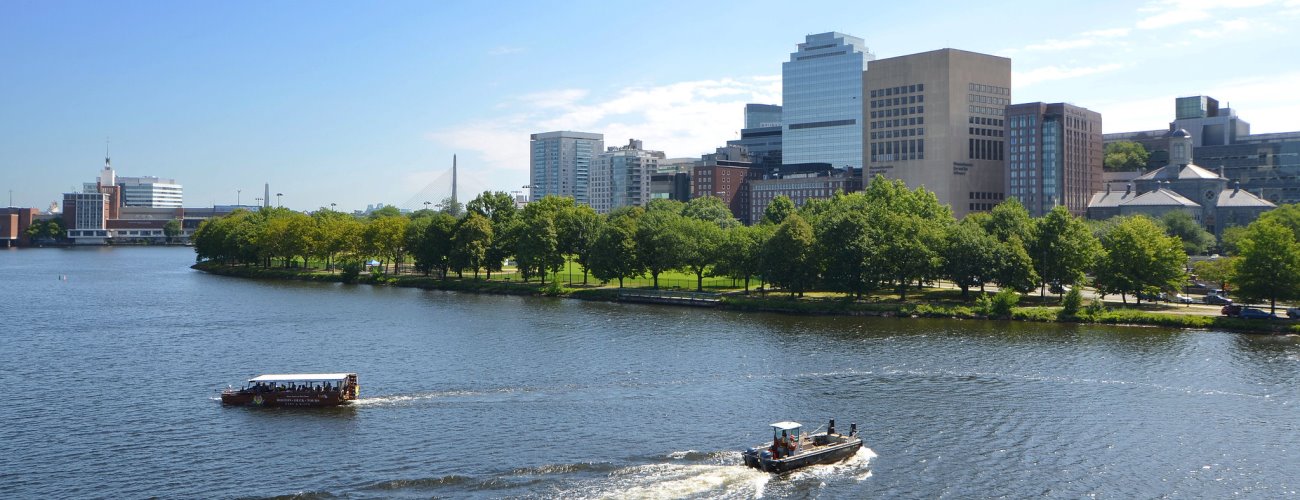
[853,429]
[830,429]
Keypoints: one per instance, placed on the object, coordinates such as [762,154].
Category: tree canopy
[1125,155]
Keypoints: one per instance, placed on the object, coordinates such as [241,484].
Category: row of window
[897,101]
[902,89]
[985,149]
[910,149]
[983,99]
[902,132]
[984,195]
[980,120]
[898,122]
[910,110]
[984,110]
[982,207]
[989,89]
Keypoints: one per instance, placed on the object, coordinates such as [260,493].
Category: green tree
[471,242]
[788,258]
[741,254]
[970,255]
[777,211]
[1216,270]
[1269,263]
[1195,239]
[1064,248]
[434,250]
[659,241]
[712,209]
[845,247]
[1125,155]
[384,211]
[665,205]
[171,230]
[578,226]
[1287,215]
[451,206]
[1015,269]
[1009,218]
[537,245]
[52,229]
[613,254]
[386,237]
[1140,258]
[500,209]
[700,241]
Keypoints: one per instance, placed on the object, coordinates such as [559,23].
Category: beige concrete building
[936,120]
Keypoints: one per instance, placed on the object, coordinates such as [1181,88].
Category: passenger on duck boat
[295,389]
[791,449]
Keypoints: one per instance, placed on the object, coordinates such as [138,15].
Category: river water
[111,360]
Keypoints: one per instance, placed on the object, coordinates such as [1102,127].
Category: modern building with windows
[800,184]
[726,174]
[762,115]
[761,137]
[620,177]
[821,116]
[937,120]
[1053,157]
[560,163]
[150,192]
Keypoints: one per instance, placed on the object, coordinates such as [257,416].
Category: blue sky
[357,103]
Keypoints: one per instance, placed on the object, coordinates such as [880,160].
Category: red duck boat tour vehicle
[791,449]
[294,389]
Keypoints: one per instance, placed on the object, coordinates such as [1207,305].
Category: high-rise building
[620,177]
[150,192]
[762,115]
[1054,157]
[821,116]
[560,163]
[936,120]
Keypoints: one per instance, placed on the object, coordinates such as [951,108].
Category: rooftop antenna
[107,162]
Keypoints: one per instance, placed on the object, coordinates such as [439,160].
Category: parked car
[1230,310]
[1252,313]
[1293,312]
[1151,296]
[1212,298]
[1182,299]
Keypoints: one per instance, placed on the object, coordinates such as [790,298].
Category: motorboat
[792,449]
[294,389]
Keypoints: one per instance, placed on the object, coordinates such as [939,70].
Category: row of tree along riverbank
[925,303]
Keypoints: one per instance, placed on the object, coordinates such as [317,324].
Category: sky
[360,103]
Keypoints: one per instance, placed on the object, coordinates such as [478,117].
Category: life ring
[257,400]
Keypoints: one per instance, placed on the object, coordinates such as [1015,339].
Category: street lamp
[332,207]
[238,192]
[277,199]
[426,205]
[258,200]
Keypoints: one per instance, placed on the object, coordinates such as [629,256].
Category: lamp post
[426,205]
[238,193]
[258,200]
[277,199]
[332,207]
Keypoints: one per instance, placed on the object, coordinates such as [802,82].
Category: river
[111,360]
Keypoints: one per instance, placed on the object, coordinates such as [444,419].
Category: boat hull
[822,455]
[283,399]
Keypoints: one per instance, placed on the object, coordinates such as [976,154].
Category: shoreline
[778,302]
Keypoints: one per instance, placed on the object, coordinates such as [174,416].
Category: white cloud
[1224,28]
[1086,39]
[682,119]
[1267,103]
[1050,73]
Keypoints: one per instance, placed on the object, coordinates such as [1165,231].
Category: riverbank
[782,303]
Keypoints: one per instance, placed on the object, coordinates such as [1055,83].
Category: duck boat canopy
[302,377]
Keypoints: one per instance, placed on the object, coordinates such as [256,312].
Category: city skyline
[339,105]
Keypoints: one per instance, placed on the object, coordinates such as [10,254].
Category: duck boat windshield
[295,389]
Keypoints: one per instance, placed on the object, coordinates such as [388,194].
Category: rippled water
[112,374]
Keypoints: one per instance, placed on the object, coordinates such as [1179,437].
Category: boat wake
[857,466]
[406,399]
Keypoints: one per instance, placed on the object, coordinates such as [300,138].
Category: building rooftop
[1237,197]
[1161,198]
[1169,172]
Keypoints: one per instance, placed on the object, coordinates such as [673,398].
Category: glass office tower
[821,116]
[560,163]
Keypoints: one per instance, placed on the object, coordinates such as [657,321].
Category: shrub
[350,271]
[984,305]
[1070,304]
[1003,302]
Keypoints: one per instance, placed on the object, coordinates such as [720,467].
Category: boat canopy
[787,426]
[301,377]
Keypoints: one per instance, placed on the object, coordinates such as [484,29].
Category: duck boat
[294,389]
[792,449]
